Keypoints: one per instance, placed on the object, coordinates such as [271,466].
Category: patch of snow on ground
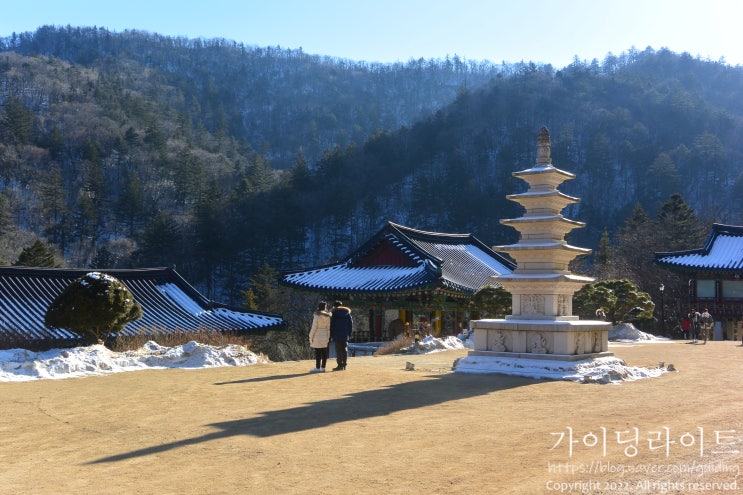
[432,344]
[627,332]
[23,365]
[606,369]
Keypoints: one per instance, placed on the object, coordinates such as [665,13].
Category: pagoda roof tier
[543,257]
[543,245]
[543,202]
[542,219]
[543,176]
[550,280]
[543,227]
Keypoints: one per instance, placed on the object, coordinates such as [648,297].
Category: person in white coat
[320,336]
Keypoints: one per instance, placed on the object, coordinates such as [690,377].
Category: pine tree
[300,178]
[6,222]
[16,121]
[678,226]
[53,207]
[188,176]
[92,202]
[103,258]
[490,302]
[209,233]
[130,205]
[603,264]
[265,289]
[159,241]
[620,299]
[662,177]
[635,243]
[93,306]
[37,254]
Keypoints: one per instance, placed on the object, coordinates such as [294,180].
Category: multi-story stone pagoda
[542,325]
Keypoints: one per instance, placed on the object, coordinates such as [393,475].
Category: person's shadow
[352,407]
[262,379]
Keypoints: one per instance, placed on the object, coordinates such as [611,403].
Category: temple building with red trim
[401,274]
[715,274]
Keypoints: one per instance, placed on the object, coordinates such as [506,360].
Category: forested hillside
[277,101]
[134,149]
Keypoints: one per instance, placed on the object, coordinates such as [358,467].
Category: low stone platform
[544,357]
[567,339]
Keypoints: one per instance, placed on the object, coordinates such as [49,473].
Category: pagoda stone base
[570,340]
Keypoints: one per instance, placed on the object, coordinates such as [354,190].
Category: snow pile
[627,332]
[23,365]
[432,344]
[607,369]
[467,339]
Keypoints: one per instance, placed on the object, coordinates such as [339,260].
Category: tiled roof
[168,303]
[457,262]
[346,278]
[722,252]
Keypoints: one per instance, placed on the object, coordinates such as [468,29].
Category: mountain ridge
[133,149]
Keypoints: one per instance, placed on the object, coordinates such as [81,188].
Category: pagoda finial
[543,147]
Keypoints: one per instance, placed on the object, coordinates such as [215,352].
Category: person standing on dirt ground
[706,322]
[341,329]
[320,336]
[685,327]
[694,317]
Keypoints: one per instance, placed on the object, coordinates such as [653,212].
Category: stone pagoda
[542,325]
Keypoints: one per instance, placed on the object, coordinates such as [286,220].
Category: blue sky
[547,31]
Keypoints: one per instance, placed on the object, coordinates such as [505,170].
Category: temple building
[169,305]
[715,275]
[402,274]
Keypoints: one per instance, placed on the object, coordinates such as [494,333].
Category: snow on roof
[180,298]
[466,266]
[348,278]
[456,261]
[723,251]
[169,304]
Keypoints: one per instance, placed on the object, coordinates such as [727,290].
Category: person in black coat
[341,329]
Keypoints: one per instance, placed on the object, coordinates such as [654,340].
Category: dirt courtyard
[379,429]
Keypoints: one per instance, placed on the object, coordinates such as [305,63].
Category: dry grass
[279,345]
[172,339]
[394,347]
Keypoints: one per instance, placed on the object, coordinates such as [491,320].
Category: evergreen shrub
[93,306]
